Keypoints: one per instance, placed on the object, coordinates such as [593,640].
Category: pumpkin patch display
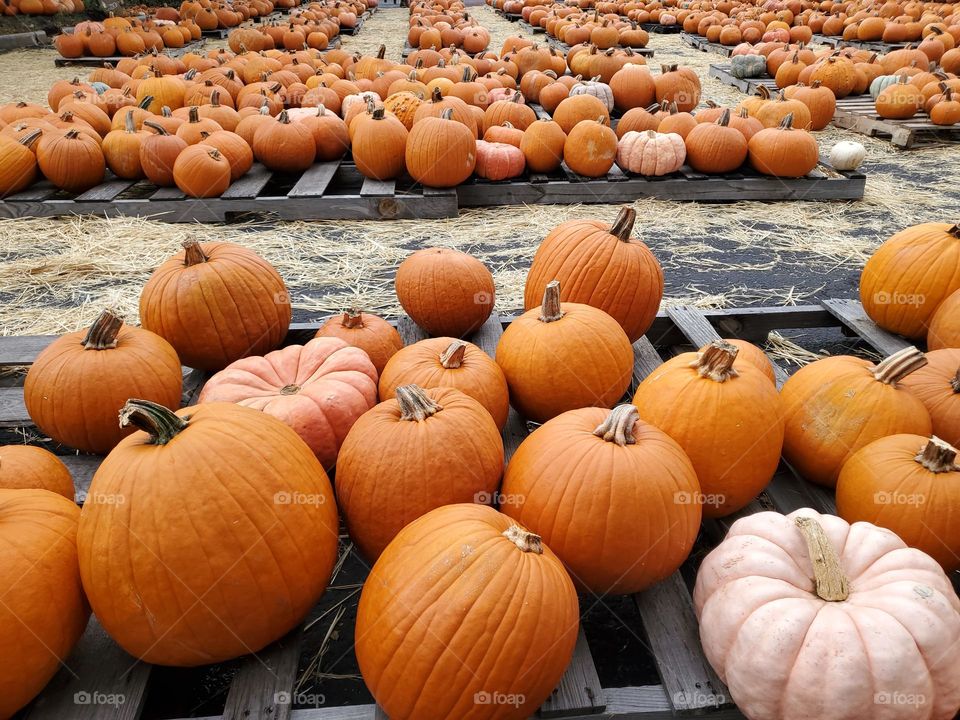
[728,419]
[563,356]
[247,475]
[422,657]
[216,303]
[77,385]
[783,596]
[371,333]
[625,525]
[318,389]
[27,467]
[44,612]
[407,456]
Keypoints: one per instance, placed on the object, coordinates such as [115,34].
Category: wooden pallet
[326,191]
[659,29]
[873,46]
[860,115]
[531,29]
[703,45]
[749,86]
[354,30]
[60,61]
[261,686]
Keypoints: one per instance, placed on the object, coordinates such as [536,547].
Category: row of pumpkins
[573,27]
[40,7]
[702,436]
[434,27]
[117,36]
[312,26]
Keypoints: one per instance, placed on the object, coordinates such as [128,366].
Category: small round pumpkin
[542,146]
[621,527]
[284,146]
[318,389]
[445,291]
[714,148]
[651,153]
[159,151]
[590,148]
[498,161]
[379,145]
[72,161]
[216,303]
[201,171]
[783,151]
[937,385]
[563,356]
[407,456]
[77,385]
[944,327]
[422,658]
[371,333]
[440,151]
[24,467]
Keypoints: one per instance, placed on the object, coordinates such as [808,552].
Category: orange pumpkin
[944,326]
[29,467]
[937,385]
[371,333]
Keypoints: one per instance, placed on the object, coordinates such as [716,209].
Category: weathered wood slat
[105,192]
[262,686]
[82,468]
[378,188]
[314,182]
[579,691]
[22,349]
[13,413]
[250,184]
[852,315]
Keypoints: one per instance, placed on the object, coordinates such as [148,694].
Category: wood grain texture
[853,316]
[262,686]
[579,690]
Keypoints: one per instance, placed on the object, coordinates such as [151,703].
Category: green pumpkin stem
[352,318]
[161,424]
[102,334]
[938,456]
[623,225]
[452,357]
[524,539]
[415,404]
[896,367]
[716,361]
[618,427]
[550,310]
[192,253]
[831,584]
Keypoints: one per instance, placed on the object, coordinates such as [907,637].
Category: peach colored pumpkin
[651,153]
[499,161]
[318,389]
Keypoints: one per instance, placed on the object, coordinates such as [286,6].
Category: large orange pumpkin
[77,385]
[600,265]
[371,333]
[563,356]
[29,467]
[43,612]
[835,406]
[208,535]
[908,276]
[410,455]
[445,291]
[938,387]
[319,389]
[465,615]
[216,303]
[447,362]
[909,484]
[627,523]
[944,327]
[728,420]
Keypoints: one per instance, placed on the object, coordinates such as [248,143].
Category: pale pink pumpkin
[499,161]
[651,153]
[873,632]
[318,389]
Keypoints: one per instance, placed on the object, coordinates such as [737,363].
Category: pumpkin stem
[192,253]
[955,382]
[452,357]
[524,539]
[896,367]
[937,456]
[550,310]
[128,124]
[159,129]
[102,334]
[436,96]
[787,122]
[623,225]
[415,404]
[161,424]
[194,114]
[832,584]
[618,427]
[724,119]
[716,361]
[955,230]
[290,389]
[352,318]
[447,114]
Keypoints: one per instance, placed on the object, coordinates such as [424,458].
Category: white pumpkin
[651,153]
[847,155]
[594,87]
[806,616]
[363,98]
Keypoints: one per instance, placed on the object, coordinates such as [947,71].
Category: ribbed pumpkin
[371,333]
[441,152]
[408,455]
[909,484]
[909,275]
[727,419]
[563,356]
[716,147]
[329,132]
[72,161]
[600,265]
[158,154]
[216,303]
[422,657]
[200,171]
[249,479]
[783,151]
[445,291]
[234,149]
[944,327]
[77,385]
[121,150]
[284,146]
[44,612]
[448,362]
[835,406]
[18,163]
[937,385]
[626,524]
[591,148]
[379,146]
[542,146]
[27,467]
[318,389]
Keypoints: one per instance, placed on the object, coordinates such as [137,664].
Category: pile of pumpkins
[40,7]
[701,437]
[125,36]
[313,26]
[438,25]
[603,31]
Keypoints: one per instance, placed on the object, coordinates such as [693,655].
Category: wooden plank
[693,324]
[13,413]
[579,690]
[853,316]
[22,349]
[105,192]
[251,184]
[409,331]
[82,468]
[39,191]
[646,359]
[98,681]
[378,188]
[314,182]
[262,685]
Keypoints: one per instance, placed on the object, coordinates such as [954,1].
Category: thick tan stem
[163,425]
[618,427]
[938,456]
[715,361]
[896,367]
[831,584]
[102,334]
[290,389]
[550,310]
[352,318]
[623,225]
[192,253]
[524,539]
[452,357]
[955,382]
[415,404]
